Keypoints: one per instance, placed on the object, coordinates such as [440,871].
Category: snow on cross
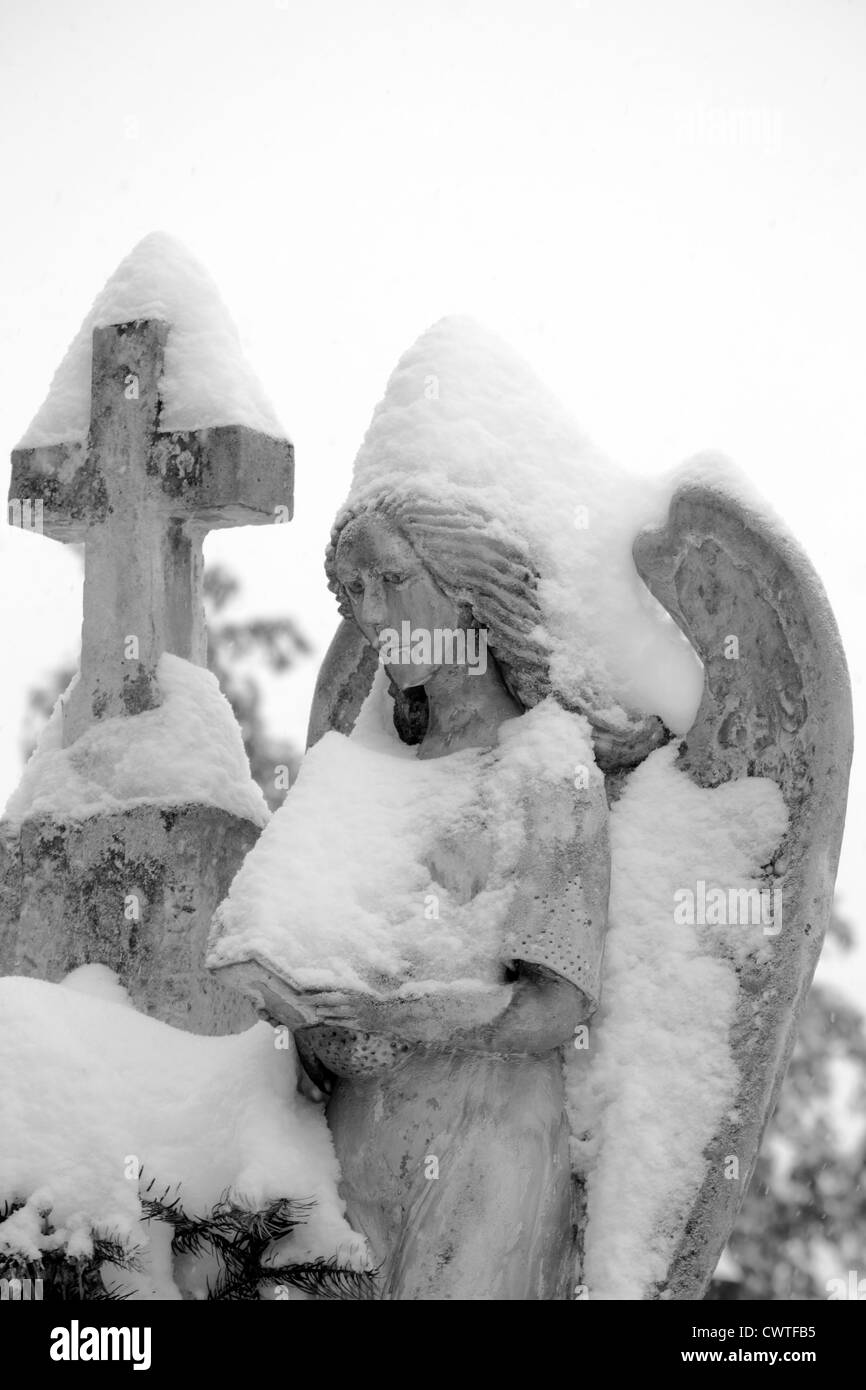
[180,441]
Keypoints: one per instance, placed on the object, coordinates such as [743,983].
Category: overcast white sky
[660,204]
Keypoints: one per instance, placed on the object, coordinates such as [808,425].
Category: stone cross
[143,501]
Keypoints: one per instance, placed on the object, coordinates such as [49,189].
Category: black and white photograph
[432,600]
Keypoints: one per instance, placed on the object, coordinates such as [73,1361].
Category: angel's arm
[553,945]
[541,1011]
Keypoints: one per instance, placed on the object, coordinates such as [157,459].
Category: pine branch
[327,1279]
[242,1238]
[65,1278]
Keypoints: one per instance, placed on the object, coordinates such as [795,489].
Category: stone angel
[511,762]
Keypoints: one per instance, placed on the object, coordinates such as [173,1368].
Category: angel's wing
[781,709]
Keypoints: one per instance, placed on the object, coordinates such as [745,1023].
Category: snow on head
[207,380]
[187,750]
[465,429]
[92,1091]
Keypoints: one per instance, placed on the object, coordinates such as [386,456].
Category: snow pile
[206,381]
[189,749]
[92,1090]
[362,879]
[465,422]
[647,1096]
[98,982]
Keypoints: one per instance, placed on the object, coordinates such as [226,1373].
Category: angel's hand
[338,1007]
[308,1008]
[352,1009]
[284,1007]
[428,1016]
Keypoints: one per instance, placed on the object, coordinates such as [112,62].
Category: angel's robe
[455,1164]
[455,1161]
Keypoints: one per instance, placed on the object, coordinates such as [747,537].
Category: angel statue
[544,900]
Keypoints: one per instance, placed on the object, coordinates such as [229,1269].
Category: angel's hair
[493,583]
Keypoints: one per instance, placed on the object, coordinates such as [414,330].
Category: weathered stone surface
[343,684]
[143,502]
[780,709]
[69,894]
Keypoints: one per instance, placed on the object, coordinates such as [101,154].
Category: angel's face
[394,599]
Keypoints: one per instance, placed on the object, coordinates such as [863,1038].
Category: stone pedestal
[134,890]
